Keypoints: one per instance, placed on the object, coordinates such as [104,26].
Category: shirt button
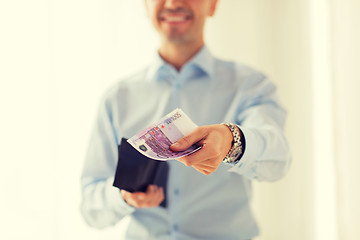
[175,227]
[176,191]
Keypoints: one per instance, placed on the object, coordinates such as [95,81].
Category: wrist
[236,150]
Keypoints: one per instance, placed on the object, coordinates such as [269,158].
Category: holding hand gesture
[216,141]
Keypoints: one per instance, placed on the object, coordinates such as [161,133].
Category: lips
[175,16]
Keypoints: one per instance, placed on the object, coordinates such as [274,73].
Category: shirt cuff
[254,144]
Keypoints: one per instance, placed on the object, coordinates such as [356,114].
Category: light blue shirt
[209,91]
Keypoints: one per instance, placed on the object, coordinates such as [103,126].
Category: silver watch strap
[237,144]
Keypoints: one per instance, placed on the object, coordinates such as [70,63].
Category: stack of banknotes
[155,141]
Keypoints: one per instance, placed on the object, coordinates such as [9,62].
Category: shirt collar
[203,60]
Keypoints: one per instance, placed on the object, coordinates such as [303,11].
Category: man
[208,192]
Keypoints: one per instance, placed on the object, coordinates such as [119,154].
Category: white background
[58,57]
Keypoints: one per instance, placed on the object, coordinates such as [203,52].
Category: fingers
[206,169]
[152,198]
[155,195]
[189,140]
[216,140]
[206,153]
[133,199]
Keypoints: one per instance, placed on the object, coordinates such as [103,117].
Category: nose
[173,4]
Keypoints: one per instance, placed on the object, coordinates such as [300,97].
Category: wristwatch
[237,148]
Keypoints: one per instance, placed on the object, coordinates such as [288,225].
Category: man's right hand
[153,196]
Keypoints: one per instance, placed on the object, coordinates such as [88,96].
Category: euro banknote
[155,141]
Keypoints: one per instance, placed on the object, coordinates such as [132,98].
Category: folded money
[155,141]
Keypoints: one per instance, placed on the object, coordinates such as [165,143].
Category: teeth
[175,19]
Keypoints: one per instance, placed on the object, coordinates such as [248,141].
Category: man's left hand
[216,141]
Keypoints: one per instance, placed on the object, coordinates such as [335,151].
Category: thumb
[187,141]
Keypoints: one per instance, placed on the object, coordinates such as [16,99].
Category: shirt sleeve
[102,204]
[261,119]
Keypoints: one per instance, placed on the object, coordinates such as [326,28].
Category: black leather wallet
[134,171]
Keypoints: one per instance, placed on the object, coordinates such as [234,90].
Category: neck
[178,54]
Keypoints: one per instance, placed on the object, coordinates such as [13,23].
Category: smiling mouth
[178,15]
[174,19]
